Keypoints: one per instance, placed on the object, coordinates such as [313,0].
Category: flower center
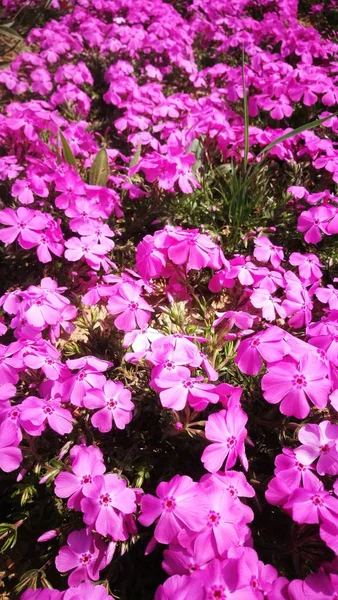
[48,410]
[105,500]
[317,501]
[213,518]
[112,403]
[188,384]
[299,381]
[169,504]
[133,305]
[85,558]
[86,479]
[255,343]
[231,441]
[325,448]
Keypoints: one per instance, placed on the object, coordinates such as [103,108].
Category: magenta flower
[319,441]
[308,266]
[10,454]
[87,591]
[291,470]
[316,585]
[223,527]
[89,375]
[150,261]
[132,310]
[86,465]
[226,429]
[314,222]
[313,504]
[35,412]
[107,499]
[24,224]
[192,248]
[114,402]
[85,553]
[270,305]
[292,383]
[86,248]
[268,345]
[178,387]
[265,251]
[179,504]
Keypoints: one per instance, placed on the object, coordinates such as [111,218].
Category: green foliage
[98,174]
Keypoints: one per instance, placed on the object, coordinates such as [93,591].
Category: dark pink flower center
[133,305]
[300,467]
[81,376]
[86,479]
[169,504]
[232,490]
[325,448]
[217,593]
[169,364]
[105,499]
[317,501]
[213,518]
[255,343]
[299,381]
[48,410]
[254,583]
[85,558]
[188,384]
[231,441]
[112,403]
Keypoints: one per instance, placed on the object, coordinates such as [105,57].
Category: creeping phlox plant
[169,314]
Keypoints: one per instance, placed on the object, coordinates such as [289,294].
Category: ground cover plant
[168,308]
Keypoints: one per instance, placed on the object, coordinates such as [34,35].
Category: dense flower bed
[168,376]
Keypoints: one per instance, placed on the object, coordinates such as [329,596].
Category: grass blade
[246,115]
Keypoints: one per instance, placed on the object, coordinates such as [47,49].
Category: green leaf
[136,156]
[98,174]
[67,151]
[246,115]
[294,132]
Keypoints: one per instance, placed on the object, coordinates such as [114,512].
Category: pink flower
[226,429]
[308,266]
[224,527]
[36,411]
[106,500]
[319,441]
[24,224]
[86,248]
[114,402]
[86,591]
[268,345]
[291,470]
[192,248]
[89,375]
[261,298]
[292,383]
[265,251]
[86,465]
[85,553]
[179,504]
[313,504]
[316,586]
[150,261]
[10,454]
[178,387]
[132,310]
[314,222]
